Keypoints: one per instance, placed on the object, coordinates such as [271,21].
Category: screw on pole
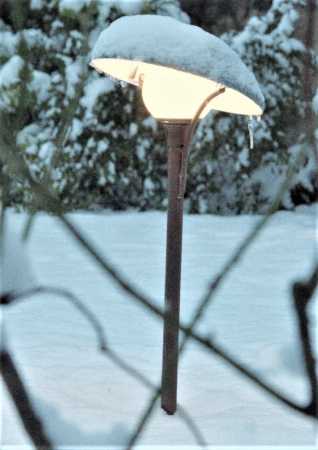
[177,138]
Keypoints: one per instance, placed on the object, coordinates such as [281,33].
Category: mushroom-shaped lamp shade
[177,66]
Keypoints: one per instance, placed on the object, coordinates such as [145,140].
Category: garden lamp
[183,73]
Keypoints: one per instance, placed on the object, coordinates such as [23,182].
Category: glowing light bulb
[169,94]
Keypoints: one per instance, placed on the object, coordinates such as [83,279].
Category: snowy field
[86,401]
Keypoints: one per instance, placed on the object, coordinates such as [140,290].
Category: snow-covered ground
[86,401]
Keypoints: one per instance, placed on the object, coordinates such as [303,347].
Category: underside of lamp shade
[177,65]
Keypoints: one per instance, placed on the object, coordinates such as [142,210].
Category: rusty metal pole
[176,134]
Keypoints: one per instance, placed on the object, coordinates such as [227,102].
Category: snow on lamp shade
[177,66]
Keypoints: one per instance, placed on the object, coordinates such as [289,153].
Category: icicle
[250,131]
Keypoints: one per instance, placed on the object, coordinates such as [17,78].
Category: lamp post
[183,72]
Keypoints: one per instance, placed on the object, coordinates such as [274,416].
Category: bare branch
[303,293]
[230,360]
[207,298]
[31,421]
[133,372]
[147,302]
[189,330]
[138,296]
[144,419]
[192,426]
[244,245]
[9,298]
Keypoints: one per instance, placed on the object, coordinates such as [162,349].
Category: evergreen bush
[91,139]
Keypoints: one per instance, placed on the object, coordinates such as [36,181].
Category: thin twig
[69,112]
[146,301]
[124,284]
[136,374]
[192,426]
[243,247]
[137,295]
[207,298]
[188,330]
[230,360]
[13,297]
[143,419]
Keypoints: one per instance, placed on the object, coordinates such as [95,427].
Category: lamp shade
[177,66]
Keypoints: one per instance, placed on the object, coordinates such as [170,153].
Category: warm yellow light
[171,94]
[174,95]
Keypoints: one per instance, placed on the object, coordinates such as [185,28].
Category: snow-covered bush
[114,154]
[105,159]
[226,175]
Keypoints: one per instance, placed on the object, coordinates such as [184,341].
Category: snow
[133,129]
[286,24]
[315,103]
[271,178]
[102,146]
[86,401]
[16,271]
[243,157]
[8,43]
[307,172]
[94,89]
[9,73]
[36,4]
[128,6]
[73,5]
[74,71]
[292,45]
[131,7]
[150,122]
[167,41]
[76,129]
[37,38]
[40,84]
[46,152]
